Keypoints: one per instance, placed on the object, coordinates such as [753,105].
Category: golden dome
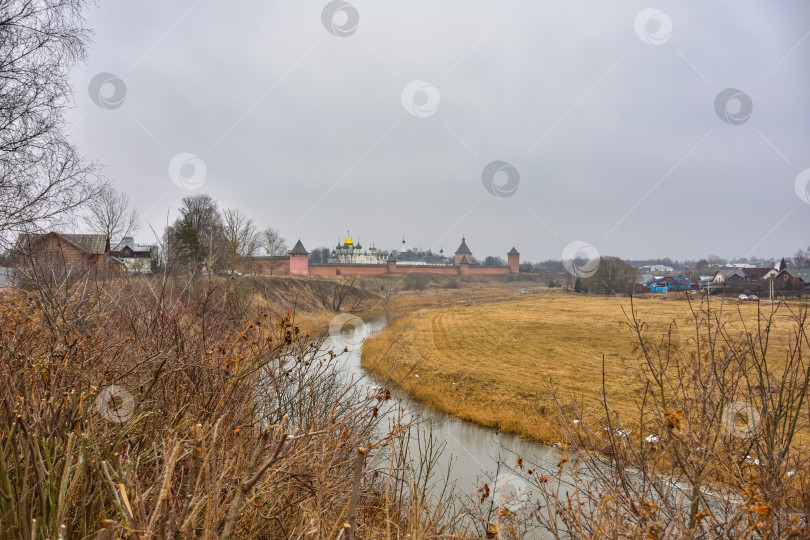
[348,241]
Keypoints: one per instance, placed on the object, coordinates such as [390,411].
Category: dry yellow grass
[466,294]
[494,363]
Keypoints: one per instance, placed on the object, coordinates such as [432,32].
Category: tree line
[217,240]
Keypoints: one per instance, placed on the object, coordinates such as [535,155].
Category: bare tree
[239,239]
[612,276]
[198,230]
[42,176]
[202,210]
[390,287]
[272,242]
[801,258]
[336,294]
[319,256]
[110,214]
[494,261]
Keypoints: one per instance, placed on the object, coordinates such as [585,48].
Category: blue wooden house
[670,283]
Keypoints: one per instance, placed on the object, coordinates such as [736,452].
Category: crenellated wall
[270,266]
[299,264]
[370,269]
[347,269]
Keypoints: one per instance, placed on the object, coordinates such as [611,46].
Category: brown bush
[718,446]
[166,409]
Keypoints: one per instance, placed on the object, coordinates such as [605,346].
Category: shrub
[164,409]
[717,447]
[416,282]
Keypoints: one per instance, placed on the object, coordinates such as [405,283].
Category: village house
[670,283]
[654,269]
[56,256]
[755,273]
[725,275]
[770,273]
[791,278]
[748,274]
[133,257]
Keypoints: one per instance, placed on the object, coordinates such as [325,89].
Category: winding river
[474,449]
[472,452]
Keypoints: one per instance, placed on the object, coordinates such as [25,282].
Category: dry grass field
[496,363]
[483,290]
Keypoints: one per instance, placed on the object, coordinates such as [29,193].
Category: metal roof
[414,257]
[299,249]
[92,244]
[136,248]
[463,249]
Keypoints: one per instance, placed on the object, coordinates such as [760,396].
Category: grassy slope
[284,293]
[494,363]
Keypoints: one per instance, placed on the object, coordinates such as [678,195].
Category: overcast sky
[604,115]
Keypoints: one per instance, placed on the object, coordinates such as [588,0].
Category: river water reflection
[474,449]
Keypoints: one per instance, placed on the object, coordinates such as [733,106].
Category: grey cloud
[302,107]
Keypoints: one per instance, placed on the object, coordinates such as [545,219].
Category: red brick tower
[299,259]
[462,252]
[464,266]
[513,257]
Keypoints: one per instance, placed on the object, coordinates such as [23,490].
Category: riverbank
[311,300]
[215,382]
